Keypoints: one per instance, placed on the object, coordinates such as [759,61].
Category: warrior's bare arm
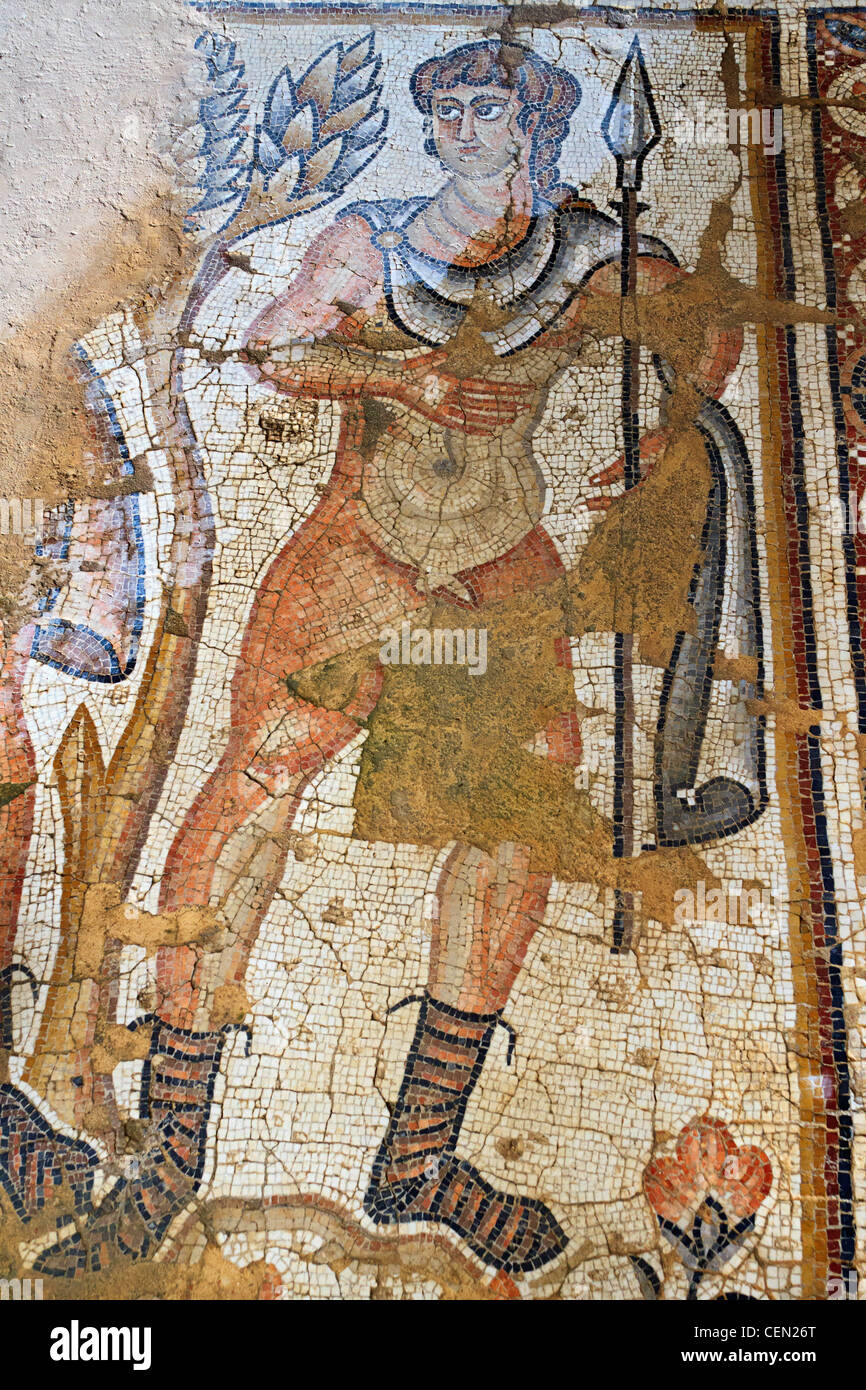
[706,358]
[689,336]
[306,344]
[303,343]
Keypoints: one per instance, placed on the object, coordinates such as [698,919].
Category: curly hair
[550,92]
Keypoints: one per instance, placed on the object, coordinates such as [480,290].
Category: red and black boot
[177,1091]
[416,1173]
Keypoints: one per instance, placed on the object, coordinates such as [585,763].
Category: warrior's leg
[35,1159]
[489,909]
[230,854]
[232,849]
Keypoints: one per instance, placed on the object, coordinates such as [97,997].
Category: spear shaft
[623,815]
[623,808]
[631,129]
[630,349]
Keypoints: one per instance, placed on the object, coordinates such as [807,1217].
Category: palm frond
[223,112]
[318,133]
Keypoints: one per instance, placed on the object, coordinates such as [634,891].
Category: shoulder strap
[385,213]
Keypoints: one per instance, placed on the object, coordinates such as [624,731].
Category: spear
[631,129]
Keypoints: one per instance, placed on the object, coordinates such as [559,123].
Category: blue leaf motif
[222,116]
[281,106]
[269,154]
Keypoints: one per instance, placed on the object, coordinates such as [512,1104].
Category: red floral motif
[706,1194]
[707,1163]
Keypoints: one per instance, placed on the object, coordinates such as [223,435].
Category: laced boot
[417,1175]
[177,1091]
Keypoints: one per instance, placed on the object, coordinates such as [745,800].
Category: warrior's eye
[449,111]
[489,110]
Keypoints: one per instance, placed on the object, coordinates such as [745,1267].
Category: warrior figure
[439,324]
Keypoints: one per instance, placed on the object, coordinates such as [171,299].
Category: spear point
[631,126]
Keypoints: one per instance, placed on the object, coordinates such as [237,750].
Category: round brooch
[387,239]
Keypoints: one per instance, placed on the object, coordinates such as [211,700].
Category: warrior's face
[477,132]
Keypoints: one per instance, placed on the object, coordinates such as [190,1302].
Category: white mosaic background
[614,1052]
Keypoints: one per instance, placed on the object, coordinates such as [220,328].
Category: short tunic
[448,755]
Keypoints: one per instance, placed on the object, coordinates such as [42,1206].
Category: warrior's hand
[469,404]
[652,446]
[340,370]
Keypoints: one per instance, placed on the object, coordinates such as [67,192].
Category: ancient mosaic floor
[432,813]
